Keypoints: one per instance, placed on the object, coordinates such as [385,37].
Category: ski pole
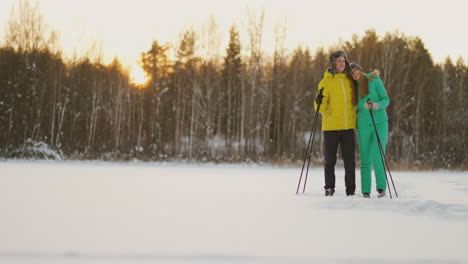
[306,155]
[382,155]
[308,152]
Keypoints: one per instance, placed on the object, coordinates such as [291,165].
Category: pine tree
[232,97]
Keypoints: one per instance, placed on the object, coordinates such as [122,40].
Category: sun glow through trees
[138,76]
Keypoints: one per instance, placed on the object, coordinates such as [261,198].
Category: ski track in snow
[402,206]
[408,202]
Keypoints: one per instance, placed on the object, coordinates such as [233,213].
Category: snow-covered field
[96,212]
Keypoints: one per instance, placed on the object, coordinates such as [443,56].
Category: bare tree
[188,83]
[210,40]
[255,30]
[26,30]
[210,103]
[277,95]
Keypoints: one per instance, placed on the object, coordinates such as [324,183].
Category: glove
[375,106]
[368,105]
[319,99]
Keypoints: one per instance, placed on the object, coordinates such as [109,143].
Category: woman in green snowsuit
[370,86]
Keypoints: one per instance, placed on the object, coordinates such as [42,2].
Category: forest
[243,105]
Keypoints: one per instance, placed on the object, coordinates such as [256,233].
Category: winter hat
[355,65]
[336,55]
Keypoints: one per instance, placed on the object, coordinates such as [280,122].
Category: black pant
[346,139]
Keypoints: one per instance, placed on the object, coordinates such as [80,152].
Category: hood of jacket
[329,74]
[373,75]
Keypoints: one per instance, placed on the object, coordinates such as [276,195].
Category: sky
[124,29]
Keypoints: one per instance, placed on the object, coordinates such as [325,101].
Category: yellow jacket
[337,109]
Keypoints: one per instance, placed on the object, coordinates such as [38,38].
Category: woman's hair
[364,85]
[353,89]
[364,81]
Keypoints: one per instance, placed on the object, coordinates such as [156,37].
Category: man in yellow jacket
[338,109]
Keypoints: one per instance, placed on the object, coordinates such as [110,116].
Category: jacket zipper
[344,96]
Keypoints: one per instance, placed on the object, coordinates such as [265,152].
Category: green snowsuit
[368,146]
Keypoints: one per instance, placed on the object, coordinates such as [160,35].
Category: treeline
[242,107]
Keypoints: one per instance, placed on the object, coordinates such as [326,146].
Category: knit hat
[355,65]
[335,55]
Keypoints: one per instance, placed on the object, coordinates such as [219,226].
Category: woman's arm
[384,100]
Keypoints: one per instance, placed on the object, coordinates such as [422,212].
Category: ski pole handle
[370,103]
[319,97]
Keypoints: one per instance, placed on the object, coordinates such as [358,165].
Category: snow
[102,212]
[37,149]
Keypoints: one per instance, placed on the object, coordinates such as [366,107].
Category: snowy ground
[87,212]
